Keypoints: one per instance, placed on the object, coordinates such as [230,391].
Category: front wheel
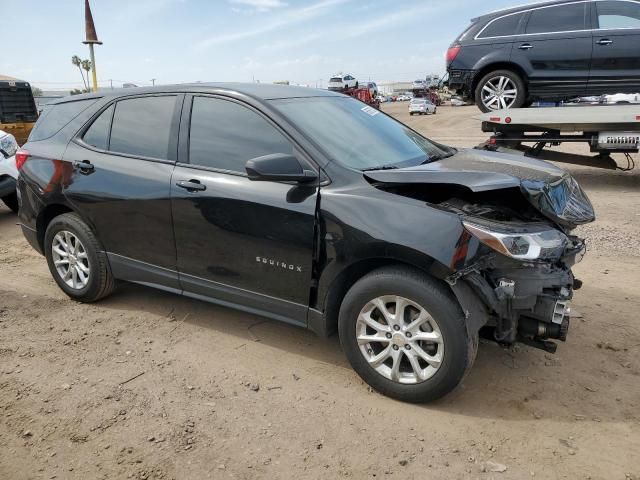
[499,90]
[11,201]
[405,335]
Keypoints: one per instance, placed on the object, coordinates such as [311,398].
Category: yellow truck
[18,113]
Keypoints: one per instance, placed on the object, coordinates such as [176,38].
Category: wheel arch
[45,217]
[353,272]
[497,66]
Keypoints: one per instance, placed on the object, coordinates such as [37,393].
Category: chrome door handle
[191,185]
[605,41]
[85,166]
[525,46]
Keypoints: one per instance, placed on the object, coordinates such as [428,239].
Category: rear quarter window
[502,27]
[55,117]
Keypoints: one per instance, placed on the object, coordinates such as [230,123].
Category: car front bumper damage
[525,302]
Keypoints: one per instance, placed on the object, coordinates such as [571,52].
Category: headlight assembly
[542,244]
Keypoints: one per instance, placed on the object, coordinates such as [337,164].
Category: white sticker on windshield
[370,111]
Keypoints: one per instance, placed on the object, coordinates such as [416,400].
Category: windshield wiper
[382,167]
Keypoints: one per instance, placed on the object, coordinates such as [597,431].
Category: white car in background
[8,170]
[340,82]
[622,98]
[421,106]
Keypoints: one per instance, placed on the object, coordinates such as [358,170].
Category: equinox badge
[276,263]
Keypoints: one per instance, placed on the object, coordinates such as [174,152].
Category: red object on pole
[90,28]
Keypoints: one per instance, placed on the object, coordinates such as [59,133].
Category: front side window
[142,126]
[563,18]
[98,133]
[357,135]
[614,15]
[225,135]
[502,27]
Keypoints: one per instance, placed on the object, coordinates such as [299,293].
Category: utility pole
[111,83]
[91,40]
[153,82]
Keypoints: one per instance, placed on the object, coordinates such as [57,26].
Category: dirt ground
[149,385]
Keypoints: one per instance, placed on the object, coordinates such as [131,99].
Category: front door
[616,48]
[242,242]
[555,50]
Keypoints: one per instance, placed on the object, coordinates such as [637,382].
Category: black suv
[309,207]
[554,51]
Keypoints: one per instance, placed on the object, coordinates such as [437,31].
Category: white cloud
[289,18]
[260,5]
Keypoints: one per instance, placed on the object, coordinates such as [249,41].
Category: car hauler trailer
[606,129]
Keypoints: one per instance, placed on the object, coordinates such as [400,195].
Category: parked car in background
[419,85]
[549,51]
[303,206]
[339,83]
[18,112]
[373,88]
[8,170]
[621,98]
[421,106]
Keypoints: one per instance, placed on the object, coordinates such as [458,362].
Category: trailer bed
[563,119]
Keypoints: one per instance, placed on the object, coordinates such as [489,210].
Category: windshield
[357,135]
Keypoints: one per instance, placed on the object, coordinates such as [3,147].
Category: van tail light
[21,158]
[452,53]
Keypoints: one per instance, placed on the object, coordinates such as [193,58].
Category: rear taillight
[21,158]
[452,53]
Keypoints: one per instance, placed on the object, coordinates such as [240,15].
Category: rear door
[122,164]
[240,241]
[616,48]
[555,49]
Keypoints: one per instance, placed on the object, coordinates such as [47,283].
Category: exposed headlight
[543,244]
[8,145]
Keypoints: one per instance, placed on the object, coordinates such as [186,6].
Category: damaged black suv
[308,207]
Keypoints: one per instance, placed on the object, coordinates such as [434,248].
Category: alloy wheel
[499,92]
[70,259]
[399,339]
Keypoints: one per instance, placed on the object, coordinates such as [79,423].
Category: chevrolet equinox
[308,207]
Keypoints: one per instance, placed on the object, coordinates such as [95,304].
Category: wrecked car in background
[308,207]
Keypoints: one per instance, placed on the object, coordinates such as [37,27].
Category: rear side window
[142,126]
[224,135]
[55,117]
[614,15]
[98,133]
[502,27]
[563,18]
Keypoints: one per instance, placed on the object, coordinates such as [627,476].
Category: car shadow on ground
[505,384]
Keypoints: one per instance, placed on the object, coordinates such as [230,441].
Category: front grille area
[16,103]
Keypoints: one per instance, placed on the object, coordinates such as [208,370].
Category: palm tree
[86,65]
[75,60]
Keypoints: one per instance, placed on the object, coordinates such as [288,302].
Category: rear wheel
[11,201]
[405,335]
[499,90]
[76,260]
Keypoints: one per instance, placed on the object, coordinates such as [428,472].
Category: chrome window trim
[477,37]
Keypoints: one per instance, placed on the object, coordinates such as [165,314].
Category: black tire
[411,114]
[101,282]
[521,94]
[11,201]
[435,111]
[356,84]
[459,347]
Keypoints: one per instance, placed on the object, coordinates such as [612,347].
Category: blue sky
[303,41]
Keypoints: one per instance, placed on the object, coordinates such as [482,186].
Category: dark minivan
[308,207]
[553,51]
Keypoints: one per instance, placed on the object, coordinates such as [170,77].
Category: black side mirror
[278,167]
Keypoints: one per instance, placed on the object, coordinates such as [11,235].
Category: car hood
[551,190]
